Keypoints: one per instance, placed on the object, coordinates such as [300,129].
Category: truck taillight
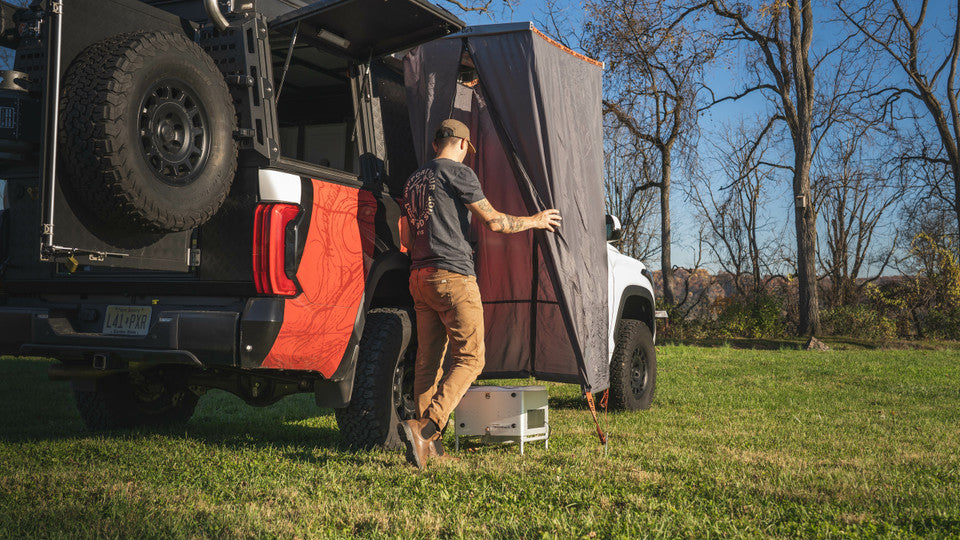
[270,248]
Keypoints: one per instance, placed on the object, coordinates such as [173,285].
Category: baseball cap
[455,128]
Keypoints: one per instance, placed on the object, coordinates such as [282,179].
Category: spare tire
[147,132]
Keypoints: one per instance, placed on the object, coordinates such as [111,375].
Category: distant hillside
[692,284]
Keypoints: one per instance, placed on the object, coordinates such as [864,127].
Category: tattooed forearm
[509,224]
[515,224]
[483,205]
[502,223]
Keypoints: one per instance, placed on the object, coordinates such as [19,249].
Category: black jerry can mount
[242,53]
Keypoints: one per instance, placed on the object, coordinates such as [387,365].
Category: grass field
[738,443]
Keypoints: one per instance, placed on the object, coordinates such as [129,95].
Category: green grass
[738,443]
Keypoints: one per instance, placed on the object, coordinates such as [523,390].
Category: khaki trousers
[449,312]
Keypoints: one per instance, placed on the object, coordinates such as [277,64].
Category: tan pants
[449,311]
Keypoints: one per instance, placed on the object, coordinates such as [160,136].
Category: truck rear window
[316,113]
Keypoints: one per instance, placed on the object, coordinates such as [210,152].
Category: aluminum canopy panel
[372,27]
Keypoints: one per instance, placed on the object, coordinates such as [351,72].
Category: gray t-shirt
[435,199]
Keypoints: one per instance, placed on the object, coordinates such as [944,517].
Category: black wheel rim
[174,132]
[638,373]
[403,390]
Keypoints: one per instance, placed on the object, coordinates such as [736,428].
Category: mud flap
[337,393]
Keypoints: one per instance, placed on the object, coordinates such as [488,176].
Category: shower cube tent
[534,110]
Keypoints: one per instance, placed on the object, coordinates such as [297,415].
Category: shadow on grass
[225,420]
[574,403]
[739,343]
[798,343]
[36,409]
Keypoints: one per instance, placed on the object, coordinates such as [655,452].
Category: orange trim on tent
[566,49]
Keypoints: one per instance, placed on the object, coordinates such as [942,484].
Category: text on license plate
[127,320]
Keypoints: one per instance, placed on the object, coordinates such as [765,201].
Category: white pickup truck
[633,329]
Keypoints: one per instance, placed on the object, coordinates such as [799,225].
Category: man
[437,201]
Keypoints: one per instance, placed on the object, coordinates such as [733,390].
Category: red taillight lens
[269,248]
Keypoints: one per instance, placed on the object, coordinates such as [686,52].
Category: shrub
[759,315]
[857,321]
[680,325]
[930,300]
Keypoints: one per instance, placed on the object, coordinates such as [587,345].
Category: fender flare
[387,262]
[647,310]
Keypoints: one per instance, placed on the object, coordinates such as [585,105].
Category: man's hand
[503,223]
[548,219]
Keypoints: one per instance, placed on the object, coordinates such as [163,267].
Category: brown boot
[438,453]
[419,449]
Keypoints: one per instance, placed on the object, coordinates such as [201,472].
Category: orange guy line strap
[566,49]
[593,411]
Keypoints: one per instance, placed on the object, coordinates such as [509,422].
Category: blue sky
[726,77]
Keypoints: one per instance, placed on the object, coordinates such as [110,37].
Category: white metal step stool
[504,414]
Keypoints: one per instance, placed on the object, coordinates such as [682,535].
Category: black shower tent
[534,109]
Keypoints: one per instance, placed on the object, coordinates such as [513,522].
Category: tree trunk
[805,220]
[666,264]
[801,36]
[956,205]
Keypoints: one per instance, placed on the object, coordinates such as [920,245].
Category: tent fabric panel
[550,109]
[537,93]
[510,321]
[546,290]
[571,92]
[430,75]
[553,346]
[542,376]
[504,261]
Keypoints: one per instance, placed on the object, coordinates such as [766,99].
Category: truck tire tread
[371,417]
[633,337]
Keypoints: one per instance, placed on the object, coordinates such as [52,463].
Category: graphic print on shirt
[418,198]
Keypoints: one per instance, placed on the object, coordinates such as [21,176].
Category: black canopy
[364,28]
[534,109]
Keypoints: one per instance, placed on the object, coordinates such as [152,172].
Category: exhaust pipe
[213,13]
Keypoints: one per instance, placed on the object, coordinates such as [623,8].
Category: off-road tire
[147,132]
[132,400]
[383,385]
[633,368]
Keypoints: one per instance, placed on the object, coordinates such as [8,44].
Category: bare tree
[483,6]
[737,232]
[780,34]
[694,287]
[853,193]
[653,74]
[931,79]
[626,169]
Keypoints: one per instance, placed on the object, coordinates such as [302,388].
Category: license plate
[127,320]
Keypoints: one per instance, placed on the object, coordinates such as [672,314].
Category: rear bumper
[187,335]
